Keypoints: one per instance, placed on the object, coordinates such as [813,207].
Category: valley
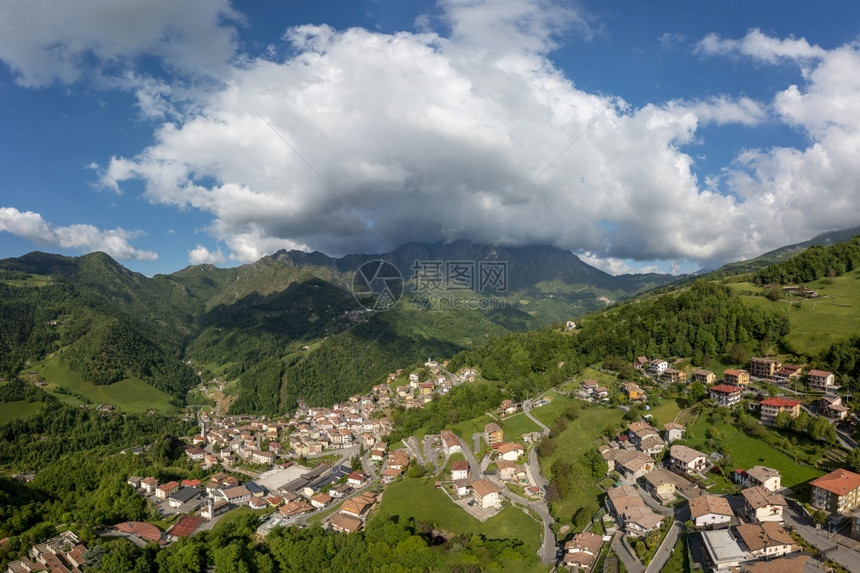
[524,441]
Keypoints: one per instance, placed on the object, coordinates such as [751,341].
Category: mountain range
[283,328]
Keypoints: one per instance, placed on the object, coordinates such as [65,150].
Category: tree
[853,459]
[822,430]
[820,516]
[697,391]
[738,354]
[783,419]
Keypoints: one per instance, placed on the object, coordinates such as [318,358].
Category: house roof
[585,541]
[795,564]
[725,389]
[733,372]
[685,454]
[762,473]
[492,427]
[185,494]
[236,492]
[459,465]
[780,403]
[838,481]
[651,441]
[633,460]
[768,534]
[484,487]
[294,508]
[705,504]
[636,427]
[627,502]
[662,476]
[510,447]
[759,497]
[345,522]
[819,373]
[673,426]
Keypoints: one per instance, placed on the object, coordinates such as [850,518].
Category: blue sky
[641,135]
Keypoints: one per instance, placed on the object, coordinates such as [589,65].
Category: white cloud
[200,255]
[58,41]
[31,226]
[761,47]
[669,40]
[464,129]
[792,193]
[420,136]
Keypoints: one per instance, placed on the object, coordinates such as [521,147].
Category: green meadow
[131,395]
[419,499]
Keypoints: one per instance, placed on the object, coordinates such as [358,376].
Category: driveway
[527,406]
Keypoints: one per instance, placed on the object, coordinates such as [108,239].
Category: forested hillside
[814,263]
[701,322]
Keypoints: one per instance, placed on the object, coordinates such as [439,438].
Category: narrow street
[474,465]
[846,557]
[549,545]
[624,553]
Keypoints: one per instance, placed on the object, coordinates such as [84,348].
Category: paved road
[474,466]
[367,466]
[476,441]
[666,548]
[527,406]
[429,452]
[844,556]
[412,444]
[626,555]
[549,545]
[845,439]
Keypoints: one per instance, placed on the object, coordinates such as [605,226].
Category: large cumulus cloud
[361,140]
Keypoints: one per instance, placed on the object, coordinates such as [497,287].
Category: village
[331,466]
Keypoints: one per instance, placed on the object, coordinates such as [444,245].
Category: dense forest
[814,263]
[700,322]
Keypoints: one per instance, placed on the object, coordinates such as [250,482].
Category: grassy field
[18,409]
[32,281]
[605,379]
[549,413]
[130,395]
[747,451]
[417,498]
[466,428]
[235,514]
[517,425]
[570,446]
[819,322]
[666,411]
